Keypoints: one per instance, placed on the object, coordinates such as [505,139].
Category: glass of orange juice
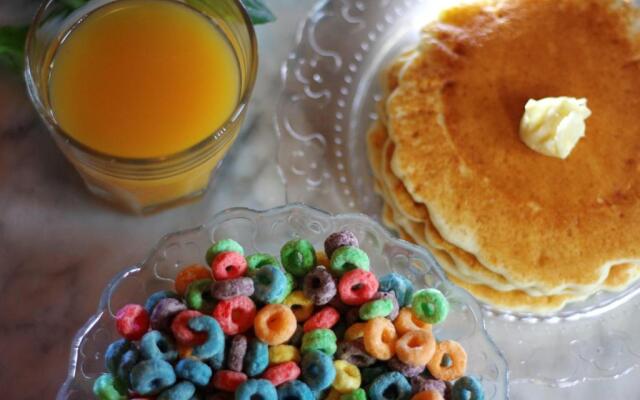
[144,97]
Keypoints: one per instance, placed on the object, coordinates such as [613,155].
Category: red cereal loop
[183,333]
[357,286]
[323,319]
[235,315]
[282,373]
[228,265]
[228,381]
[132,321]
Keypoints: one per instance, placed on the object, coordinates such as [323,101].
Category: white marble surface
[59,246]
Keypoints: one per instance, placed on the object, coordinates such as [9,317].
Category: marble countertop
[59,246]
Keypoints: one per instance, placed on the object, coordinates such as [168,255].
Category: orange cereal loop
[355,331]
[189,274]
[407,321]
[275,324]
[458,364]
[380,338]
[322,259]
[416,348]
[428,395]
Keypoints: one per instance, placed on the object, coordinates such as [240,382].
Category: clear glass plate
[266,232]
[330,88]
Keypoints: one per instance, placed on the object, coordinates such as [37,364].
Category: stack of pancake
[518,229]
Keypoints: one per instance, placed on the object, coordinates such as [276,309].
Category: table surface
[59,246]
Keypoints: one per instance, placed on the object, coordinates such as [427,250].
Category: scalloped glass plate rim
[595,305]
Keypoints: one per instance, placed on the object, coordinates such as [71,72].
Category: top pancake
[454,120]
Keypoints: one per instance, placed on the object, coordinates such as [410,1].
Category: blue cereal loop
[215,336]
[256,389]
[399,285]
[217,361]
[317,370]
[389,386]
[194,371]
[127,362]
[257,358]
[157,345]
[295,390]
[114,353]
[467,388]
[151,377]
[270,284]
[180,391]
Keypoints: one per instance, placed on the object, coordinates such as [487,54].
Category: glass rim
[146,161]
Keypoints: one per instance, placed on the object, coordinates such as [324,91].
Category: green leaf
[12,39]
[258,11]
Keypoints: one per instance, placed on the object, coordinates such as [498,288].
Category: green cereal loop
[430,306]
[223,246]
[347,258]
[198,296]
[258,260]
[358,394]
[323,340]
[106,388]
[298,257]
[376,308]
[289,285]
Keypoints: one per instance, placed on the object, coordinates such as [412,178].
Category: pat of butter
[553,126]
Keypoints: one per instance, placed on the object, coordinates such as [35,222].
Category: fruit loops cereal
[252,326]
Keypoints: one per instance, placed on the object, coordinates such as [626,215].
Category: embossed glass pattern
[266,232]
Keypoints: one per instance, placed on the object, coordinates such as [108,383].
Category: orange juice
[144,79]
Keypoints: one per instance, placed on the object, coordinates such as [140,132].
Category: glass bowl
[328,102]
[266,231]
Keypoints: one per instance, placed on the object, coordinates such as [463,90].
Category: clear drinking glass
[141,185]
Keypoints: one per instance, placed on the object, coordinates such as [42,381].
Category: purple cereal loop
[422,384]
[354,353]
[339,239]
[407,370]
[392,296]
[319,286]
[224,290]
[163,313]
[237,351]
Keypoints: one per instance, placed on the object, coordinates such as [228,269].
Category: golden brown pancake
[467,266]
[538,221]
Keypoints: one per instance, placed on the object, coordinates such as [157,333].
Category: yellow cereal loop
[355,331]
[283,353]
[347,377]
[300,304]
[322,259]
